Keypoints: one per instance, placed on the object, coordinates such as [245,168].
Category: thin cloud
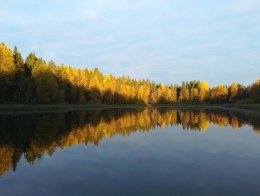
[161,40]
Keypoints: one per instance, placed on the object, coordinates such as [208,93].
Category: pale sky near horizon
[166,41]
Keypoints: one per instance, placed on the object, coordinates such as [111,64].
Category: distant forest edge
[34,81]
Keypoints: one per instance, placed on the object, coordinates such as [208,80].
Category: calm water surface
[130,152]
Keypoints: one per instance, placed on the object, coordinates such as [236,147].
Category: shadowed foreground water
[130,152]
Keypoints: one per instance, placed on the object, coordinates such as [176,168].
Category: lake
[145,151]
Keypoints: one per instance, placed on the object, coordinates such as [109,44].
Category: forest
[31,136]
[34,81]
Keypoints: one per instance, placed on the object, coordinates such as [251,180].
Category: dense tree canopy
[34,81]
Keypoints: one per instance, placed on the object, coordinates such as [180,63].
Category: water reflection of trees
[32,136]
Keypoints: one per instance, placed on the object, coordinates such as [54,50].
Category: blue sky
[166,41]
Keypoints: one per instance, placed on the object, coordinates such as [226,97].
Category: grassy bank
[9,109]
[242,108]
[254,107]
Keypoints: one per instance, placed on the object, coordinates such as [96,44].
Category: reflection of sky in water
[163,161]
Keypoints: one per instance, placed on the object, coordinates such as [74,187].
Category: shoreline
[26,109]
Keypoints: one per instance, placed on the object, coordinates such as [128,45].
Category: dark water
[130,152]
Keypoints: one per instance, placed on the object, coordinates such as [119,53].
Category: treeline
[34,81]
[32,136]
